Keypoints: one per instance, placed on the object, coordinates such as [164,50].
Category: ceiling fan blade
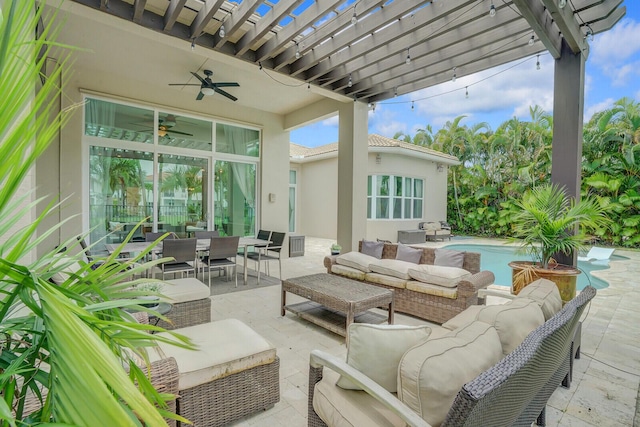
[184,84]
[198,77]
[223,93]
[200,96]
[179,133]
[226,84]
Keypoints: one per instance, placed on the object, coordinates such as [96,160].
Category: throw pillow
[449,258]
[431,374]
[409,254]
[438,275]
[375,350]
[546,294]
[356,260]
[372,248]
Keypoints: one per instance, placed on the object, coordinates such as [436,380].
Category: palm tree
[64,344]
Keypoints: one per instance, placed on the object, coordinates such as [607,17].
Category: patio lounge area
[604,390]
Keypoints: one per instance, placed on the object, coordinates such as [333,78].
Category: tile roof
[374,140]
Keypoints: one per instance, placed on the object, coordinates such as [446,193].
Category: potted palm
[547,222]
[63,346]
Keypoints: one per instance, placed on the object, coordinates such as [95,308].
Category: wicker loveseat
[512,391]
[434,303]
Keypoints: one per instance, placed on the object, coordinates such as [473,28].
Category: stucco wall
[317,189]
[318,198]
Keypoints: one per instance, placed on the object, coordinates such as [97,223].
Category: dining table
[201,246]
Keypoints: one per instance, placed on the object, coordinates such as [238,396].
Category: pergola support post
[568,111]
[352,174]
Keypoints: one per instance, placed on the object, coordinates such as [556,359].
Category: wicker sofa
[434,303]
[512,391]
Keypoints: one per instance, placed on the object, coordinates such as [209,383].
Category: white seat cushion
[392,267]
[183,290]
[430,289]
[348,272]
[431,374]
[438,275]
[224,347]
[383,279]
[348,408]
[356,260]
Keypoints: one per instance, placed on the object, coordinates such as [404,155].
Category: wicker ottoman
[234,373]
[190,300]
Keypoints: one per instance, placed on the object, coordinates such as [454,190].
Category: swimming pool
[496,259]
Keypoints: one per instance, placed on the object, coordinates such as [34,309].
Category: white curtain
[238,138]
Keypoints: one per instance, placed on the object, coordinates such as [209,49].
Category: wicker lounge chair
[512,392]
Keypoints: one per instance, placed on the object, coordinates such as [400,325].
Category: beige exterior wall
[317,195]
[318,198]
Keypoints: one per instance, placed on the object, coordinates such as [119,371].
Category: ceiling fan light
[208,91]
[162,132]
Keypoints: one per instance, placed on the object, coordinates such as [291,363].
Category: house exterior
[406,184]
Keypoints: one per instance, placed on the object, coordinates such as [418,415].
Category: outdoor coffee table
[335,302]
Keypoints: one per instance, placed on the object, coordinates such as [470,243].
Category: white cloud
[596,108]
[510,87]
[384,122]
[331,121]
[613,52]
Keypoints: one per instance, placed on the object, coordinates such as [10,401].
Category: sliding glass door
[235,198]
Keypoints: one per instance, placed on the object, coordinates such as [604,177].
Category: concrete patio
[604,391]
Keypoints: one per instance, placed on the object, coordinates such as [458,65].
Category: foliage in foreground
[65,344]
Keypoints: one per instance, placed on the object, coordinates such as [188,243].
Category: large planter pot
[564,276]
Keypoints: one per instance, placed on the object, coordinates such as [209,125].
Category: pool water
[497,258]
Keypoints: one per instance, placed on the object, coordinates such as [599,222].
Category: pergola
[372,50]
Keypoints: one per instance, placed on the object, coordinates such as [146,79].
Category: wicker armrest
[476,282]
[164,375]
[318,359]
[330,260]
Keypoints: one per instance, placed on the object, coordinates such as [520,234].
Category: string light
[354,17]
[562,3]
[298,54]
[455,76]
[222,32]
[308,86]
[260,64]
[532,40]
[492,10]
[466,91]
[538,62]
[350,81]
[374,107]
[395,91]
[408,60]
[193,44]
[411,105]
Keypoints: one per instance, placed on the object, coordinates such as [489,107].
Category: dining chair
[222,256]
[153,236]
[207,234]
[183,252]
[262,235]
[270,252]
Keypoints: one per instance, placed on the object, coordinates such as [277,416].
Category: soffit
[316,44]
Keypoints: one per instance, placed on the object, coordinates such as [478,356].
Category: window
[171,169]
[394,197]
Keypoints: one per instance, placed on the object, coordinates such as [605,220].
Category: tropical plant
[62,346]
[548,221]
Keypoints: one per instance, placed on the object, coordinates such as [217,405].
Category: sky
[501,93]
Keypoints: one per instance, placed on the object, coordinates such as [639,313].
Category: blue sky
[612,72]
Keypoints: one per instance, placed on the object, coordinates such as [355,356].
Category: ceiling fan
[165,125]
[208,87]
